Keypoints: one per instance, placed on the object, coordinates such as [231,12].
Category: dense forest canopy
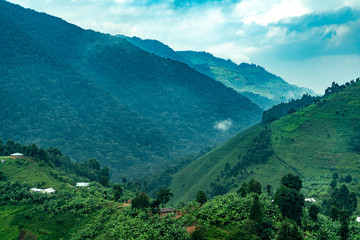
[98,96]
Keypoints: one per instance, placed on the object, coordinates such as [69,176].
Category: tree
[254,186]
[342,196]
[333,184]
[313,212]
[117,192]
[288,197]
[141,201]
[94,164]
[291,111]
[246,231]
[344,221]
[291,181]
[155,206]
[164,196]
[290,203]
[323,235]
[201,197]
[104,176]
[352,202]
[242,190]
[256,213]
[289,231]
[335,176]
[348,178]
[268,190]
[124,181]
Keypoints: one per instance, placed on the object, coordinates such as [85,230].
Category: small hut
[40,190]
[82,184]
[16,155]
[165,211]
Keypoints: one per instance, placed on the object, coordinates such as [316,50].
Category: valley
[106,136]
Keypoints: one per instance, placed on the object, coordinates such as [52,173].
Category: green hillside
[314,142]
[30,215]
[98,96]
[254,82]
[28,170]
[100,212]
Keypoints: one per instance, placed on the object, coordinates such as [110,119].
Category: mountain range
[98,96]
[250,80]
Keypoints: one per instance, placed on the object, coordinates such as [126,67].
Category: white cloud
[223,125]
[255,11]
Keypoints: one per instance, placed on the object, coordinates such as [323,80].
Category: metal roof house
[17,155]
[82,184]
[310,200]
[46,190]
[166,210]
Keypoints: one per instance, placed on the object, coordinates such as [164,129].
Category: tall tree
[256,213]
[289,231]
[290,203]
[291,181]
[141,201]
[201,197]
[117,192]
[254,187]
[164,196]
[313,212]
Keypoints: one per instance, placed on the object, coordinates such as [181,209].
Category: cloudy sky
[307,42]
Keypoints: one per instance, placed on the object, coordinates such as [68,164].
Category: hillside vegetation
[98,96]
[261,87]
[251,80]
[102,211]
[312,142]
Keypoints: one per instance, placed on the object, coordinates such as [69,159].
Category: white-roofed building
[17,155]
[311,200]
[46,190]
[36,190]
[82,184]
[49,190]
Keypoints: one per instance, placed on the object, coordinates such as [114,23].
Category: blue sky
[307,42]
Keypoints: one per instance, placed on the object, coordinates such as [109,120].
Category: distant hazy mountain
[252,81]
[246,78]
[98,96]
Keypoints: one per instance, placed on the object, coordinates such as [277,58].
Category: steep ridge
[157,48]
[313,142]
[47,101]
[247,79]
[263,88]
[178,107]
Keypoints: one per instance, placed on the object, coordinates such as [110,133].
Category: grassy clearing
[29,171]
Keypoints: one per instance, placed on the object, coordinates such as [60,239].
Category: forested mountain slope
[252,81]
[96,95]
[49,102]
[313,142]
